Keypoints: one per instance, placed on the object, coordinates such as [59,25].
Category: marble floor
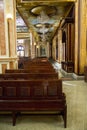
[76,97]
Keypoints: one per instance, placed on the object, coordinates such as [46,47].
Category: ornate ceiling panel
[20,24]
[43,17]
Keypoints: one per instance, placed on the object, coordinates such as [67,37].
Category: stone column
[86,32]
[8,55]
[54,48]
[27,42]
[2,30]
[80,36]
[47,50]
[31,42]
[3,47]
[59,46]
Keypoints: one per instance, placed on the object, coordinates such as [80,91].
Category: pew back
[28,76]
[30,71]
[32,95]
[30,89]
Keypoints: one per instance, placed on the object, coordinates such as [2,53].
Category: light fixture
[43,14]
[42,21]
[42,18]
[50,10]
[37,46]
[34,43]
[43,30]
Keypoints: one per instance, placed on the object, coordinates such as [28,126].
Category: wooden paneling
[1,91]
[11,91]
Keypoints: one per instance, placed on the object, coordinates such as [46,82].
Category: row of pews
[37,87]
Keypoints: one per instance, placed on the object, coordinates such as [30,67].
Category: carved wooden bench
[30,71]
[37,64]
[32,95]
[29,76]
[38,67]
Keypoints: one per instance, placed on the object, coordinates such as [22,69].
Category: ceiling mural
[43,18]
[20,24]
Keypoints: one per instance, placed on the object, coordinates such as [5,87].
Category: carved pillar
[54,48]
[47,50]
[86,33]
[8,56]
[10,8]
[26,44]
[3,64]
[2,30]
[60,51]
[80,36]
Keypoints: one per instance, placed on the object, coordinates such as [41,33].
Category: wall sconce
[37,46]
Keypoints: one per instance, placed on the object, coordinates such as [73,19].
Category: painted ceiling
[42,17]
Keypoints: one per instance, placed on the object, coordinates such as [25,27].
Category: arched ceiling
[43,17]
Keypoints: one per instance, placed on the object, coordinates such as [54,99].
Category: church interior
[43,64]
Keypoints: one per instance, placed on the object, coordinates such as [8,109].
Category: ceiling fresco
[20,24]
[44,17]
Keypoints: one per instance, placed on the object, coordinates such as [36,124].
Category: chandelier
[43,29]
[42,18]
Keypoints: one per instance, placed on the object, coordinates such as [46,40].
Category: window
[20,51]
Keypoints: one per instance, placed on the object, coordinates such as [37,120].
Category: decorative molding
[8,59]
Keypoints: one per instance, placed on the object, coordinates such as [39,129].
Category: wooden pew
[30,71]
[35,63]
[38,67]
[32,95]
[39,63]
[29,76]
